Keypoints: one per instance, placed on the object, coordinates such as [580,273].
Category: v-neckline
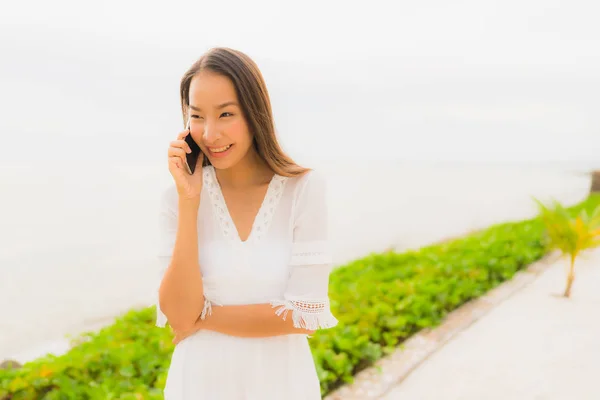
[262,217]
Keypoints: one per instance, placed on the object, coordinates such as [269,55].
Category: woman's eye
[226,114]
[195,116]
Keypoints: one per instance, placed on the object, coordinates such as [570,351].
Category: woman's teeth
[220,149]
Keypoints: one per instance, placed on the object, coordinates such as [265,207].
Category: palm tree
[570,235]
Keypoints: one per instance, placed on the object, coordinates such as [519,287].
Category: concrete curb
[374,382]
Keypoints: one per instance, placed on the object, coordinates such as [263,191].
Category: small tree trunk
[595,187]
[570,277]
[9,364]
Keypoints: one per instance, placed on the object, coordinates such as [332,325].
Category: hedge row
[380,301]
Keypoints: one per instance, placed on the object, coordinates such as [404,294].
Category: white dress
[285,262]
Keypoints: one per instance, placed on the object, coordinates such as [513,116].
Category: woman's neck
[250,171]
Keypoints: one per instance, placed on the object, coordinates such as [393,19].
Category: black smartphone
[192,157]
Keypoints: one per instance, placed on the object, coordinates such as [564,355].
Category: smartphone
[192,157]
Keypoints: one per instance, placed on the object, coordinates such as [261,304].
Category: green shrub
[123,361]
[380,301]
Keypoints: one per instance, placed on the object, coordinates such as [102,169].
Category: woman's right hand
[188,186]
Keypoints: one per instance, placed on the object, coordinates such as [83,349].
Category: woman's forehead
[211,90]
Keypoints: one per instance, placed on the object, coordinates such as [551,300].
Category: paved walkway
[533,346]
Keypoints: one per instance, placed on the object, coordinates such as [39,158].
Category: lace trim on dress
[218,203]
[307,314]
[310,253]
[265,213]
[206,310]
[269,205]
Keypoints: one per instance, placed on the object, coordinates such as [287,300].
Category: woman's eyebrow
[220,106]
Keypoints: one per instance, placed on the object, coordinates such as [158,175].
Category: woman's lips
[219,152]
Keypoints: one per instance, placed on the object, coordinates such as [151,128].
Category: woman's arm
[304,309]
[250,320]
[181,293]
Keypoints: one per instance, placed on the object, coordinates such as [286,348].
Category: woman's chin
[222,163]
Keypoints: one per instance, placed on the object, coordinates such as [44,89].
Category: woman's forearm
[251,320]
[181,294]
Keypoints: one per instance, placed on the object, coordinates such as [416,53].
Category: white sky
[428,80]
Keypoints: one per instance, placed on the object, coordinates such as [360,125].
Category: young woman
[244,246]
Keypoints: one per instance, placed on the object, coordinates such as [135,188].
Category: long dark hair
[254,100]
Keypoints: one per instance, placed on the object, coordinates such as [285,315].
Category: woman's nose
[210,133]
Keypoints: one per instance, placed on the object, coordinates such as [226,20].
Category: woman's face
[216,120]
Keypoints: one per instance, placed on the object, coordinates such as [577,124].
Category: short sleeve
[167,231]
[306,294]
[311,245]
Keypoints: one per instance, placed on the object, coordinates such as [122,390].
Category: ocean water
[77,248]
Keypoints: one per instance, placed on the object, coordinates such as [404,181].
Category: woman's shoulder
[310,182]
[310,175]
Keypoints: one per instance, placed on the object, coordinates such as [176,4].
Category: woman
[244,246]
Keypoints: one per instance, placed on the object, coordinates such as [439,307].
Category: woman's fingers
[180,336]
[176,161]
[177,156]
[181,144]
[188,186]
[176,339]
[176,152]
[183,134]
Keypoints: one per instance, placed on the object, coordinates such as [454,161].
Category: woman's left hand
[180,335]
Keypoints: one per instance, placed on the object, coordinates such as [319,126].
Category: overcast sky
[428,80]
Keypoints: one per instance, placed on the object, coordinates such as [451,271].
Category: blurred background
[430,118]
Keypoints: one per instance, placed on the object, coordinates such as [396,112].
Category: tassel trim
[206,310]
[317,318]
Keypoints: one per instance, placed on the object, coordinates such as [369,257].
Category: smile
[220,149]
